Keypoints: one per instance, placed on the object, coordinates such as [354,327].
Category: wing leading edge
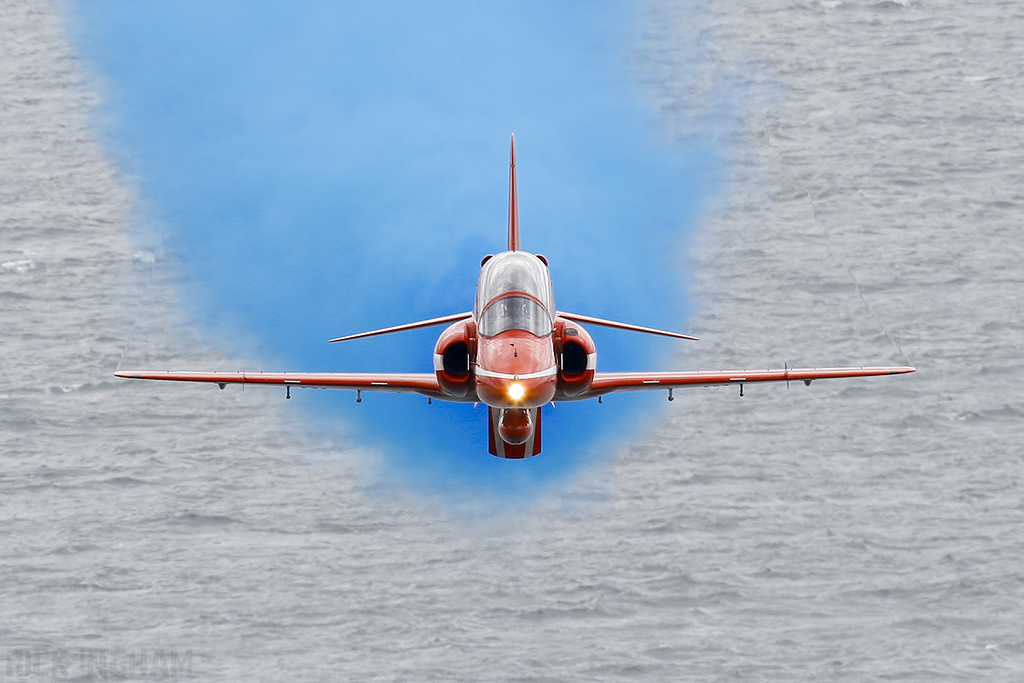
[607,382]
[408,382]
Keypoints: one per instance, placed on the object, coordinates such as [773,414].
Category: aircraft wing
[407,382]
[607,382]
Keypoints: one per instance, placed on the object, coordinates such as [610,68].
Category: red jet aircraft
[514,352]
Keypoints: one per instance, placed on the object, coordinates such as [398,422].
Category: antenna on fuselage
[513,200]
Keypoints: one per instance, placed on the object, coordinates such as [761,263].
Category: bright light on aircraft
[516,391]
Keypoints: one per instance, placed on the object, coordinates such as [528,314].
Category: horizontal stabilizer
[622,326]
[408,326]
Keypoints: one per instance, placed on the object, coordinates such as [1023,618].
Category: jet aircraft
[516,353]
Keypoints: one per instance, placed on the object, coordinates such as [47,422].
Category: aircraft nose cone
[515,370]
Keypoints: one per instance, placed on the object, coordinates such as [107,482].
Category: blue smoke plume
[328,168]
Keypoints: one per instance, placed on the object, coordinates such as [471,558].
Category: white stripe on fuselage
[531,375]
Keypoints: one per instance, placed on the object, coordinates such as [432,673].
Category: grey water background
[860,530]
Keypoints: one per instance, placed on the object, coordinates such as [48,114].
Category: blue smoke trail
[328,168]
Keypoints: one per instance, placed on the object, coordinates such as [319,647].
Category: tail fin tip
[513,199]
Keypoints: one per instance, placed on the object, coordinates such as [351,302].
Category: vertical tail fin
[513,200]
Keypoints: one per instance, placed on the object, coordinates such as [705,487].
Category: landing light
[516,391]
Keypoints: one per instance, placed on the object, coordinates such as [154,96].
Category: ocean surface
[855,530]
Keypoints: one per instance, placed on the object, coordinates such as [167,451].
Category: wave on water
[18,266]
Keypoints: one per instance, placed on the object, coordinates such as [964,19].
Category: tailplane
[513,201]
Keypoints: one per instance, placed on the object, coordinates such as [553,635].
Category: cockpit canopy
[514,293]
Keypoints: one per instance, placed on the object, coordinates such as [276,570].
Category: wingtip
[128,374]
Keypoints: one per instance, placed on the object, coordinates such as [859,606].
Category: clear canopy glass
[514,313]
[501,304]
